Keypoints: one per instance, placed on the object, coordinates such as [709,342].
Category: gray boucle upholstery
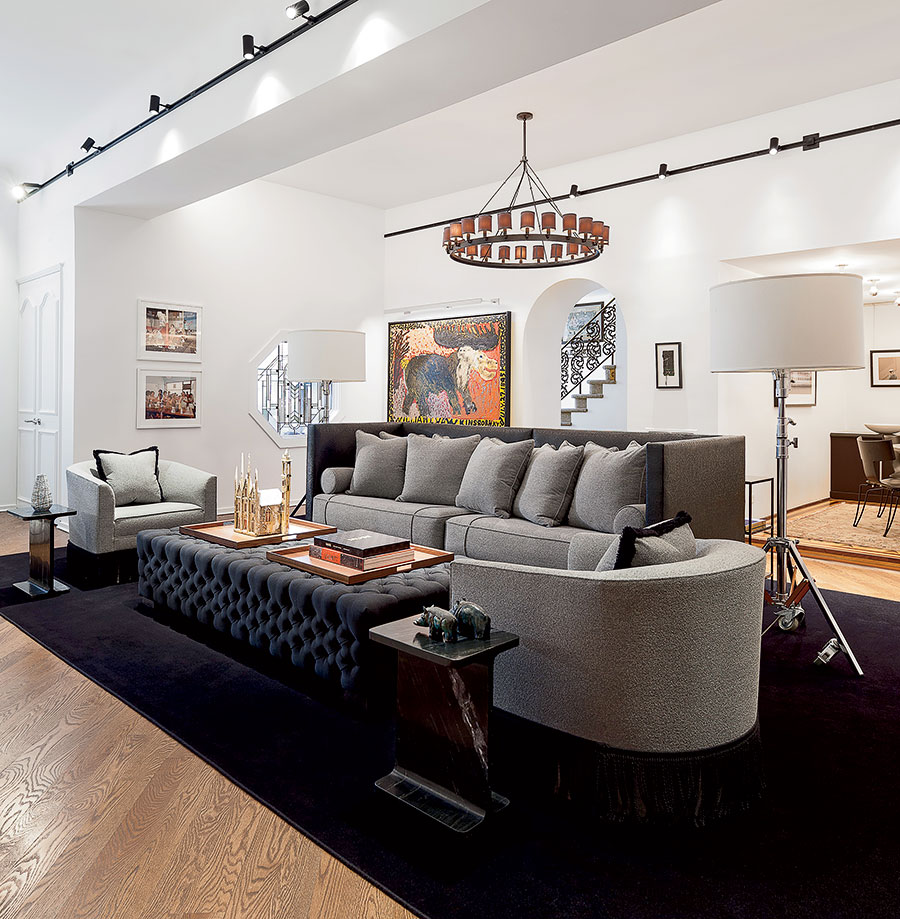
[435,467]
[493,539]
[493,475]
[422,524]
[587,548]
[380,466]
[608,480]
[100,528]
[336,479]
[632,515]
[662,659]
[546,491]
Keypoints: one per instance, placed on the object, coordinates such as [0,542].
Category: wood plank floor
[102,815]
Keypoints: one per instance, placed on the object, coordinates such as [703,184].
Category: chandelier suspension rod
[809,142]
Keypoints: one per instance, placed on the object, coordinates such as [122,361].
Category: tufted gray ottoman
[319,626]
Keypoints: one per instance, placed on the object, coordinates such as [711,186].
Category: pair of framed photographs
[168,396]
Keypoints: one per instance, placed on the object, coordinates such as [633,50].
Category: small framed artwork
[169,331]
[802,390]
[668,365]
[168,398]
[884,368]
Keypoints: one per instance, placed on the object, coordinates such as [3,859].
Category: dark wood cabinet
[846,467]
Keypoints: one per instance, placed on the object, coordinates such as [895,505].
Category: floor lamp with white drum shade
[779,324]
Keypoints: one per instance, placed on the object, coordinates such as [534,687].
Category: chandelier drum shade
[518,235]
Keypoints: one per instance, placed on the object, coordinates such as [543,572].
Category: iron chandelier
[476,241]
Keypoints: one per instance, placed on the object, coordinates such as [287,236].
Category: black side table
[444,698]
[40,549]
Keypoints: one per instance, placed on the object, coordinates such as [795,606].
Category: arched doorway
[541,352]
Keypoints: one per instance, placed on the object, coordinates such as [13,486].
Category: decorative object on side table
[464,621]
[452,370]
[444,699]
[668,365]
[41,581]
[41,497]
[884,368]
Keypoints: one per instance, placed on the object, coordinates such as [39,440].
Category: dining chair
[873,454]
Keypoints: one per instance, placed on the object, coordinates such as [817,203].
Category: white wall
[864,402]
[668,242]
[259,259]
[8,349]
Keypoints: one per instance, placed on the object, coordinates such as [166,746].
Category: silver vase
[41,498]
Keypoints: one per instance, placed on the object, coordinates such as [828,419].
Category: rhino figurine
[443,627]
[472,621]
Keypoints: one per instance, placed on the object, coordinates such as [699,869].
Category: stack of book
[362,550]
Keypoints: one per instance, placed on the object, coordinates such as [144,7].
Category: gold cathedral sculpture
[261,512]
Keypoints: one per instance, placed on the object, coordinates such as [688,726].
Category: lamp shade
[326,354]
[787,322]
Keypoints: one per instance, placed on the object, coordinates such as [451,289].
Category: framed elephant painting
[450,371]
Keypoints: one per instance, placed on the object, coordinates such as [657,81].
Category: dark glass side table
[444,698]
[40,581]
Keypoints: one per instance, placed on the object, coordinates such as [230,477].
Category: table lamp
[779,324]
[326,356]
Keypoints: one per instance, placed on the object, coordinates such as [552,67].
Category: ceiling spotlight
[663,170]
[573,191]
[21,191]
[774,146]
[90,145]
[873,290]
[156,105]
[298,10]
[250,48]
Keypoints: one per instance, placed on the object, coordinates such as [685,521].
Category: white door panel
[48,358]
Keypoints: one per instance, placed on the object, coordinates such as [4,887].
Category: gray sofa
[103,537]
[651,674]
[702,475]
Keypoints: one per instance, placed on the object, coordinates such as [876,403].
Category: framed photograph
[884,368]
[803,388]
[168,398]
[169,331]
[451,371]
[668,365]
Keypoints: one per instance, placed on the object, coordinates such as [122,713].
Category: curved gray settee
[657,668]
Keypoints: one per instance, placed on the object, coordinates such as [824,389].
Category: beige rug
[834,523]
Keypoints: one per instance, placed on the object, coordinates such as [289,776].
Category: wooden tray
[298,557]
[222,533]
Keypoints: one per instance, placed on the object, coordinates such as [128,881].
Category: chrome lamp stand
[786,595]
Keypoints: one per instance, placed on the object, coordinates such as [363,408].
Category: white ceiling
[871,260]
[61,61]
[729,61]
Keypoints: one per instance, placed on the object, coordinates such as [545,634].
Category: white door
[39,382]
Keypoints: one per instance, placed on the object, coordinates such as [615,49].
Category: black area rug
[826,842]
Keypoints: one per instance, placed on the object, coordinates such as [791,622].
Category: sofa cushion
[435,467]
[516,541]
[661,544]
[129,521]
[587,548]
[546,491]
[493,476]
[609,479]
[336,479]
[380,466]
[422,524]
[133,477]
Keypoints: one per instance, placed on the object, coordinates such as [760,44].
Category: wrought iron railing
[288,406]
[593,345]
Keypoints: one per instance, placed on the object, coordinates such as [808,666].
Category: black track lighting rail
[809,142]
[262,51]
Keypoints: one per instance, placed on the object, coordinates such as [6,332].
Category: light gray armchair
[100,528]
[654,671]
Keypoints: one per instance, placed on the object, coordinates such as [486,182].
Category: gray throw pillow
[546,491]
[133,477]
[664,542]
[493,475]
[435,467]
[609,479]
[380,466]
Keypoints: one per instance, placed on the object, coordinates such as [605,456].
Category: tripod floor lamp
[779,324]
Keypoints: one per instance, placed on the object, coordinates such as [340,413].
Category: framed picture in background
[803,388]
[884,368]
[668,365]
[168,398]
[169,331]
[454,371]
